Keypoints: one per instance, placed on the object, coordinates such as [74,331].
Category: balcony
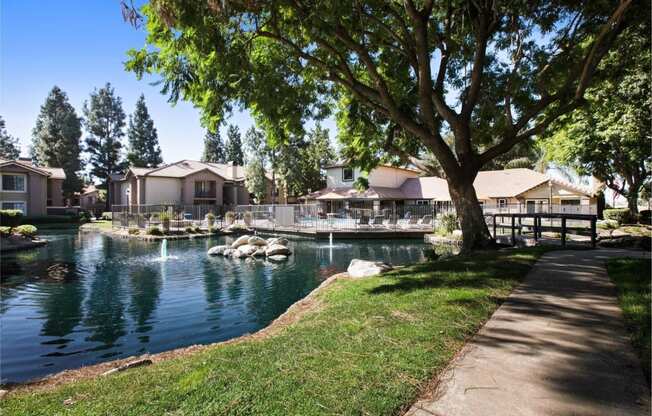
[206,194]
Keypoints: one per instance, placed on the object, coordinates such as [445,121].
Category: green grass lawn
[632,277]
[369,348]
[98,224]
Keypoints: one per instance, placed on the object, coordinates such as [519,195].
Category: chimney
[233,169]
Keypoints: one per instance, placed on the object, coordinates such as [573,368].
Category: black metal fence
[171,216]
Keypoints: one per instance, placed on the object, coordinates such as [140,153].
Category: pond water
[87,298]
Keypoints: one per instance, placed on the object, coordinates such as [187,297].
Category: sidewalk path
[557,346]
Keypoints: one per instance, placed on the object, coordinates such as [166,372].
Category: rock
[247,249]
[257,241]
[237,254]
[277,240]
[275,249]
[242,240]
[228,252]
[365,268]
[277,258]
[3,393]
[131,364]
[217,250]
[259,253]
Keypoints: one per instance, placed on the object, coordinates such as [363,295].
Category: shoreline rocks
[247,246]
[365,268]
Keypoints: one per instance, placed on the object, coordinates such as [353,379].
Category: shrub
[229,217]
[645,217]
[190,230]
[165,217]
[197,229]
[607,224]
[133,231]
[247,217]
[154,231]
[620,215]
[448,223]
[210,219]
[10,217]
[26,230]
[213,229]
[107,216]
[5,231]
[84,217]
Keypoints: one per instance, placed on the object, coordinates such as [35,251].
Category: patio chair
[363,221]
[393,221]
[413,220]
[426,221]
[378,221]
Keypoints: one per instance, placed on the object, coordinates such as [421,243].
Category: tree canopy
[398,75]
[9,145]
[214,150]
[233,151]
[56,139]
[105,122]
[144,150]
[609,137]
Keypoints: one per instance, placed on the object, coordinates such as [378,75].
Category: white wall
[389,177]
[160,190]
[334,178]
[124,198]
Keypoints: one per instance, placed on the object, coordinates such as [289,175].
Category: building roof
[185,167]
[341,164]
[53,173]
[508,183]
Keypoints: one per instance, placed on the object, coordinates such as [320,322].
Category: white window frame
[502,202]
[344,179]
[24,203]
[24,176]
[423,202]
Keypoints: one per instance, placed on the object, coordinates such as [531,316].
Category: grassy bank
[368,347]
[632,277]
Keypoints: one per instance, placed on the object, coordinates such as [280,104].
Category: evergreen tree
[9,147]
[144,150]
[56,139]
[214,151]
[234,146]
[258,155]
[105,122]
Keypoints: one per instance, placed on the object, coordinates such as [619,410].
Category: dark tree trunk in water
[475,234]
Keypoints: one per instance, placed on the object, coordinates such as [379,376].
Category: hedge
[620,215]
[10,217]
[5,231]
[26,230]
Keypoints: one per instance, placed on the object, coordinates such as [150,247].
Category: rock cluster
[275,249]
[365,268]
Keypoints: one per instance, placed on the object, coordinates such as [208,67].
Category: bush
[26,230]
[106,216]
[154,231]
[5,231]
[84,217]
[133,231]
[190,230]
[229,217]
[214,229]
[448,223]
[620,215]
[645,217]
[197,229]
[10,217]
[607,224]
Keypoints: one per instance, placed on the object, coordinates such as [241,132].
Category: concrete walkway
[557,346]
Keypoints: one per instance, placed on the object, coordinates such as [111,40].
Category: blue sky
[80,45]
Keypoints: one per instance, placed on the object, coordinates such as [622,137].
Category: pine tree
[56,139]
[258,155]
[105,122]
[144,150]
[9,146]
[234,146]
[214,150]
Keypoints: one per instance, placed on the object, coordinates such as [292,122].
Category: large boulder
[237,254]
[247,249]
[256,241]
[240,241]
[277,258]
[275,249]
[228,252]
[277,240]
[365,268]
[260,252]
[217,250]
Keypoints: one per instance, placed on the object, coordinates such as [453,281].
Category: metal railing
[178,217]
[525,208]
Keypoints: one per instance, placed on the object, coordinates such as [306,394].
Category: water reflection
[85,298]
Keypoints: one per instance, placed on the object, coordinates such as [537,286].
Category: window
[13,183]
[347,174]
[204,189]
[570,201]
[15,205]
[502,203]
[423,202]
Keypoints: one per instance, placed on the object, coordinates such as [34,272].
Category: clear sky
[80,45]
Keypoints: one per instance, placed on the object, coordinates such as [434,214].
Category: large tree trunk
[475,234]
[632,200]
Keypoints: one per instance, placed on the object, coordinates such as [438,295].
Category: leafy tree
[258,157]
[214,150]
[317,154]
[56,139]
[234,145]
[610,136]
[398,75]
[105,122]
[144,150]
[9,146]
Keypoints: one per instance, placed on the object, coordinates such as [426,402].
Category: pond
[87,298]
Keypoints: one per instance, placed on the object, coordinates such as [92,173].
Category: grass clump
[369,346]
[632,278]
[154,231]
